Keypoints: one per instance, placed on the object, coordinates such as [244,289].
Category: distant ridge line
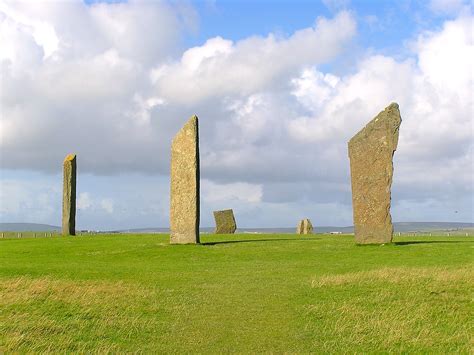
[398,227]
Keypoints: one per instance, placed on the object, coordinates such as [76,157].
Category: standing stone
[304,227]
[184,209]
[371,152]
[225,222]
[69,195]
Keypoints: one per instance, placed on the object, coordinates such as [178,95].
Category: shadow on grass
[258,240]
[433,242]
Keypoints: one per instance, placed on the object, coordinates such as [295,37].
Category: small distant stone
[304,227]
[225,222]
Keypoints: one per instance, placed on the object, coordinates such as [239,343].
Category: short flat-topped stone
[371,153]
[304,227]
[225,222]
[69,195]
[184,198]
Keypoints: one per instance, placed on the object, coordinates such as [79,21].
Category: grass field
[240,293]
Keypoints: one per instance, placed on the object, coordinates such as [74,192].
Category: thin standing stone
[184,197]
[69,195]
[371,153]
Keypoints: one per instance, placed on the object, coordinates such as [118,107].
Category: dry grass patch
[62,315]
[397,275]
[23,289]
[394,309]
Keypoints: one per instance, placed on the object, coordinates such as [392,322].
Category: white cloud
[84,201]
[94,86]
[42,32]
[445,60]
[221,67]
[230,193]
[107,205]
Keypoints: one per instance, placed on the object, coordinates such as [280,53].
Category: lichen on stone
[371,153]
[225,222]
[184,175]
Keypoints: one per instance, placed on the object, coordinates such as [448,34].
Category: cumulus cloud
[110,85]
[229,193]
[83,201]
[220,67]
[86,203]
[82,81]
[317,113]
[274,123]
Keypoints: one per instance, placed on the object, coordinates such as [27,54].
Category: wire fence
[55,234]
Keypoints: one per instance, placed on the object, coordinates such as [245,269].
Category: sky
[279,88]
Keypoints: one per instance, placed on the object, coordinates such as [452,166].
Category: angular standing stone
[371,152]
[225,222]
[69,195]
[304,227]
[184,208]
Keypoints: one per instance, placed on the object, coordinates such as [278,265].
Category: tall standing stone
[304,227]
[225,222]
[184,209]
[69,195]
[371,153]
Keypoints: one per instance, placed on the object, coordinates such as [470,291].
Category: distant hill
[430,226]
[28,227]
[398,226]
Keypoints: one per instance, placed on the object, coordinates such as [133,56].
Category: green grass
[240,293]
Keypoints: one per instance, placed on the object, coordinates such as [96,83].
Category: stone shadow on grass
[433,242]
[257,240]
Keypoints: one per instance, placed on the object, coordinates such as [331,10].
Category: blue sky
[382,24]
[279,86]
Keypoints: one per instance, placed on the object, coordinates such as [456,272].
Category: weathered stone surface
[69,195]
[184,209]
[225,222]
[371,152]
[304,227]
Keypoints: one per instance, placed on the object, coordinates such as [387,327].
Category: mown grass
[240,293]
